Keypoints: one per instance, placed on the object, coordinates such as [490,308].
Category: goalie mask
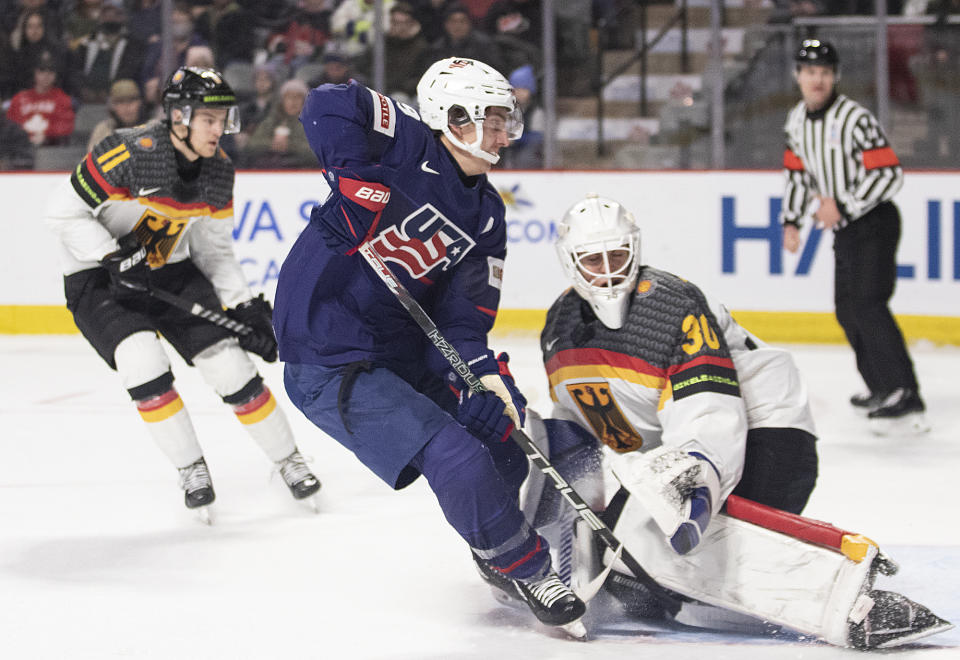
[598,243]
[458,91]
[192,87]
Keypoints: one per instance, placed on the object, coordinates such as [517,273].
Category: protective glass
[231,124]
[513,124]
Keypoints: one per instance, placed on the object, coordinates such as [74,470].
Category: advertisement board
[716,229]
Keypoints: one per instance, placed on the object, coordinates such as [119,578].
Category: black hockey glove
[258,314]
[128,268]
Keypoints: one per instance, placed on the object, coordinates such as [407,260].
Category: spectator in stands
[336,70]
[126,109]
[44,111]
[264,88]
[80,22]
[279,141]
[527,152]
[256,109]
[32,39]
[145,21]
[351,25]
[107,54]
[519,18]
[406,53]
[183,35]
[303,38]
[230,29]
[16,150]
[516,36]
[199,55]
[460,39]
[429,14]
[9,77]
[14,12]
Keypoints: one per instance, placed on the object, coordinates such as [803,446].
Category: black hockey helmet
[814,51]
[193,86]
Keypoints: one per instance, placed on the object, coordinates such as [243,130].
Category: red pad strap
[791,161]
[371,196]
[806,529]
[882,157]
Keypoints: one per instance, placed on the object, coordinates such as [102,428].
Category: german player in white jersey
[709,439]
[148,209]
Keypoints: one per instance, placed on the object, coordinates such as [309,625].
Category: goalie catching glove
[128,268]
[351,213]
[679,490]
[258,314]
[492,415]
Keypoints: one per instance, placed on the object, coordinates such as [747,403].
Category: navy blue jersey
[442,234]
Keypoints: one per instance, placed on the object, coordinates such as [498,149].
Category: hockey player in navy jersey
[414,185]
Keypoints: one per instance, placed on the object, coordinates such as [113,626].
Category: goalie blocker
[754,560]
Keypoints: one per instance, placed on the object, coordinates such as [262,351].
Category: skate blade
[575,630]
[312,503]
[920,634]
[204,515]
[910,424]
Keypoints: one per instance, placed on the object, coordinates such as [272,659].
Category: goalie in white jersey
[703,422]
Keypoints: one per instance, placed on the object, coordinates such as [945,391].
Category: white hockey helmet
[598,243]
[459,90]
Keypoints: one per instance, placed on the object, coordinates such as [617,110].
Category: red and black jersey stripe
[704,374]
[88,178]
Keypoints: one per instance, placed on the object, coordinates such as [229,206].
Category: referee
[841,171]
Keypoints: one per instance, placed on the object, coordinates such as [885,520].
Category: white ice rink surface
[99,558]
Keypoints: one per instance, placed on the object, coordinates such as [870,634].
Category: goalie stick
[213,316]
[426,324]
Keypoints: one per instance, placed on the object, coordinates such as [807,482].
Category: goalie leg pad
[755,571]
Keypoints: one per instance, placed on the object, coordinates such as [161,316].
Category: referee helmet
[814,51]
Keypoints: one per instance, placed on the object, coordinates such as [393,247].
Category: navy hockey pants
[399,433]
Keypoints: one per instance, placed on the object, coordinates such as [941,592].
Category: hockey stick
[426,324]
[213,316]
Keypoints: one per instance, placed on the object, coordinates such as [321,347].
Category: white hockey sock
[267,425]
[170,426]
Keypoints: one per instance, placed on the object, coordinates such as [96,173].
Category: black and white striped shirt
[840,152]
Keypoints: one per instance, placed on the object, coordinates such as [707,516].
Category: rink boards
[717,229]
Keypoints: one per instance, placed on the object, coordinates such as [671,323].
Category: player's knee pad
[228,370]
[141,360]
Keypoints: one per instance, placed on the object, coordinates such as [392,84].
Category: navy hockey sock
[479,505]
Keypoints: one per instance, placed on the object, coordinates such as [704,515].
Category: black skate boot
[901,411]
[867,402]
[500,585]
[298,477]
[894,620]
[553,603]
[196,484]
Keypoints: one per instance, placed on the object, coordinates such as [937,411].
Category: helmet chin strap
[185,140]
[473,149]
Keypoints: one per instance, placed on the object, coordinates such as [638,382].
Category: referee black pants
[866,271]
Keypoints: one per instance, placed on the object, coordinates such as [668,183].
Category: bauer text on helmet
[598,243]
[460,91]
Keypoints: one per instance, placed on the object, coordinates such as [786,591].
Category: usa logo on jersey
[424,240]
